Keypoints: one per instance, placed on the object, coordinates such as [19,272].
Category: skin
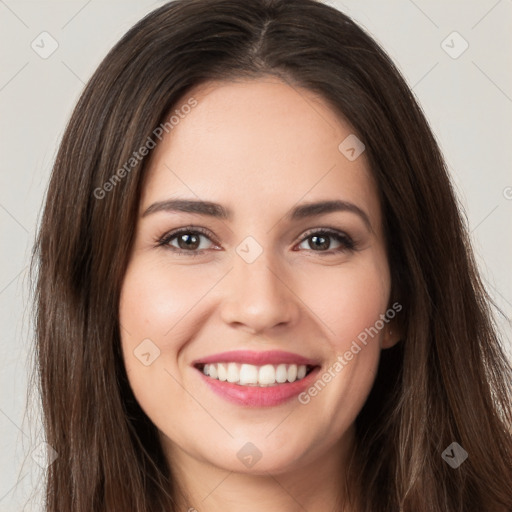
[258,147]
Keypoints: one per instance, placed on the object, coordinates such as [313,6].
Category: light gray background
[468,101]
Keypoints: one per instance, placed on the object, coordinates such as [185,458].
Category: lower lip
[254,396]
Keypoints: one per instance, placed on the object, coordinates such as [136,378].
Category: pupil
[323,242]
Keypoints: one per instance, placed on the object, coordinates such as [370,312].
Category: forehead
[258,144]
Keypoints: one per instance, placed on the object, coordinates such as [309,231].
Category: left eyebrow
[323,207]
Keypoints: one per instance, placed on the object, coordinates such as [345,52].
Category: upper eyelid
[189,229]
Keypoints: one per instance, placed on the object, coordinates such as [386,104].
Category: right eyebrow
[190,206]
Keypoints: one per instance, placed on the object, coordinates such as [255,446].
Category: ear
[392,335]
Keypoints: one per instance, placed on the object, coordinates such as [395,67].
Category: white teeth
[267,375]
[212,371]
[222,371]
[251,375]
[248,374]
[292,373]
[233,372]
[281,373]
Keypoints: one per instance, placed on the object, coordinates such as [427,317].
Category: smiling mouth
[267,375]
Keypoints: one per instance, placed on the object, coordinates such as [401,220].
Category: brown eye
[191,241]
[327,241]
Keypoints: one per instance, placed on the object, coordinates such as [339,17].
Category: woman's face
[254,287]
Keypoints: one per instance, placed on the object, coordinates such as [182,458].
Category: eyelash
[347,243]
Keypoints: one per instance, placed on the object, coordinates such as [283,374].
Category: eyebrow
[220,212]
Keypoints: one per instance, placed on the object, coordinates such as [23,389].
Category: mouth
[257,379]
[253,375]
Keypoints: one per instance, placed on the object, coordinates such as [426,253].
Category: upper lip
[256,358]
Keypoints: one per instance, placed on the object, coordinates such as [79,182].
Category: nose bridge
[261,276]
[258,295]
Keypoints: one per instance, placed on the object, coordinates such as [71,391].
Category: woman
[255,287]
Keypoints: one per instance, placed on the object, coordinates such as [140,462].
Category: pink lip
[253,396]
[256,358]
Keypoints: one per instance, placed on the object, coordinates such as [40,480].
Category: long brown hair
[447,381]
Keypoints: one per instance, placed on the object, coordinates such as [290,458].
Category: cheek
[151,308]
[153,315]
[349,301]
[155,302]
[159,309]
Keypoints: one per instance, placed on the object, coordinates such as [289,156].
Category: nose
[258,296]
